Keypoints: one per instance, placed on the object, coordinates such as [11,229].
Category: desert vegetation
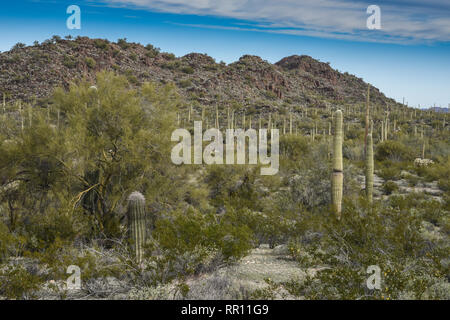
[86,180]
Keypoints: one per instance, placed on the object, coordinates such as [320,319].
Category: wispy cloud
[402,20]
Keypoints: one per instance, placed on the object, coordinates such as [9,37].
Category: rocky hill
[32,72]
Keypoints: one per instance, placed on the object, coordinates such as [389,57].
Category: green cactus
[217,118]
[367,118]
[137,224]
[369,168]
[337,179]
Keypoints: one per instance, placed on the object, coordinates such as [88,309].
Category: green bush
[123,44]
[390,187]
[101,44]
[7,242]
[90,62]
[188,70]
[69,61]
[152,51]
[181,233]
[185,83]
[409,266]
[16,282]
[394,151]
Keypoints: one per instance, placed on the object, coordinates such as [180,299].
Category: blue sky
[409,57]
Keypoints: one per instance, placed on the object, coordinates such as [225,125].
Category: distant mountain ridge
[28,72]
[440,109]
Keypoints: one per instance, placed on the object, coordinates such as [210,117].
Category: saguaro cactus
[367,118]
[217,118]
[369,168]
[137,224]
[337,179]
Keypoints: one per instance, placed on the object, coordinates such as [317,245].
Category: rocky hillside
[32,72]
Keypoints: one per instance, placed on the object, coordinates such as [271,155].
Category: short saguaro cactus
[137,224]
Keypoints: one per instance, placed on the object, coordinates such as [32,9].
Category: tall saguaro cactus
[137,224]
[369,168]
[337,178]
[367,118]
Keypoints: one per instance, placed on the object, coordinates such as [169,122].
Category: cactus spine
[337,179]
[369,168]
[137,224]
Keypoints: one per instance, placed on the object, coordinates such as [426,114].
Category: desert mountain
[28,72]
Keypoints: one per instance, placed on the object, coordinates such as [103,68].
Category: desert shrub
[56,39]
[90,62]
[435,171]
[354,133]
[353,151]
[7,242]
[59,255]
[409,266]
[444,184]
[172,65]
[311,186]
[18,45]
[186,233]
[123,44]
[101,44]
[133,79]
[188,70]
[44,229]
[294,147]
[168,56]
[390,187]
[69,62]
[394,151]
[133,56]
[152,51]
[389,170]
[16,282]
[185,83]
[270,95]
[232,184]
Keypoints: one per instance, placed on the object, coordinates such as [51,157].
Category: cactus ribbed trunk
[337,179]
[203,114]
[137,224]
[232,119]
[217,118]
[423,149]
[290,123]
[369,168]
[367,119]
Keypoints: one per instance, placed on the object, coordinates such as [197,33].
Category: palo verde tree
[115,140]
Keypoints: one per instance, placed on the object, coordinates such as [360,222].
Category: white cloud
[401,20]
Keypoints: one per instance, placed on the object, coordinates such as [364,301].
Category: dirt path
[237,281]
